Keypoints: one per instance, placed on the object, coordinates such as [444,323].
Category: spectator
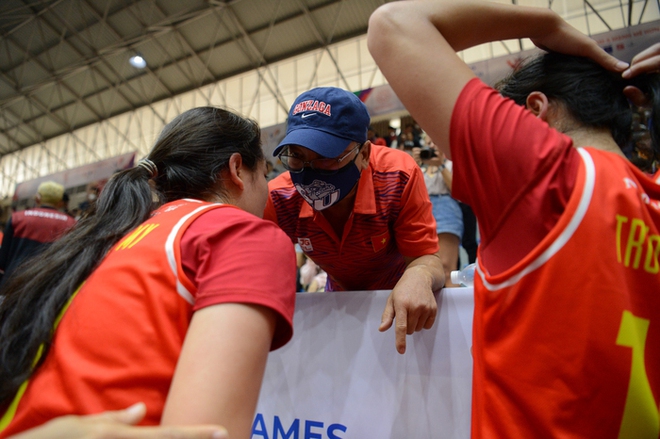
[359,211]
[408,139]
[391,138]
[157,301]
[446,211]
[469,241]
[93,190]
[565,338]
[374,138]
[30,231]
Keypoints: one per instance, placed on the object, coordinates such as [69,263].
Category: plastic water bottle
[465,276]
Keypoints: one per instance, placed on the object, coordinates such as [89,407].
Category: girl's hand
[117,425]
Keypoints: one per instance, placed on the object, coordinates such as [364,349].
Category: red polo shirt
[391,218]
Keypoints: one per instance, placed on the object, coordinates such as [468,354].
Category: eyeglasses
[295,164]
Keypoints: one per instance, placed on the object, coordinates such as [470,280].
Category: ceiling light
[137,61]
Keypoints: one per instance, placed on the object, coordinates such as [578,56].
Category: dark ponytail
[188,156]
[592,95]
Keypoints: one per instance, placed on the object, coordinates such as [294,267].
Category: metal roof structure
[64,63]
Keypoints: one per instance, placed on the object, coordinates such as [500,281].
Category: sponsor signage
[340,378]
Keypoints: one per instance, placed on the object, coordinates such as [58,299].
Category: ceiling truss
[63,63]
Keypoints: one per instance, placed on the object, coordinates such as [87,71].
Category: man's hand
[117,425]
[412,302]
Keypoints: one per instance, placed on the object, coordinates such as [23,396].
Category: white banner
[340,378]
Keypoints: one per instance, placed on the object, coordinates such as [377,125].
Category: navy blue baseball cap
[326,120]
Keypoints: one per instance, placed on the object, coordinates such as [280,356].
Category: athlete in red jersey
[360,211]
[567,316]
[175,303]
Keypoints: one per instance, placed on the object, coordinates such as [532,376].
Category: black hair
[189,155]
[591,94]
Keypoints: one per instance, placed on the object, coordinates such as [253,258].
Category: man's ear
[234,170]
[365,152]
[538,103]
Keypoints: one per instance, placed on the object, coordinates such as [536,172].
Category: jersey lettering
[638,242]
[136,236]
[641,418]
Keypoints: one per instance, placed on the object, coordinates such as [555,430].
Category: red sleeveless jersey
[567,341]
[119,340]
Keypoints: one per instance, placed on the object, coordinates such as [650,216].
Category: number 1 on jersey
[640,416]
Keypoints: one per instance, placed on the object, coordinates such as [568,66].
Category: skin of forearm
[429,265]
[487,21]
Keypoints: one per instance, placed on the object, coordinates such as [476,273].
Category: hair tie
[150,168]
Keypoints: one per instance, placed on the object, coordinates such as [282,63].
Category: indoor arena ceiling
[64,63]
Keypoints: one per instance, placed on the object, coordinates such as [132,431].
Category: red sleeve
[232,256]
[269,211]
[281,181]
[415,229]
[515,172]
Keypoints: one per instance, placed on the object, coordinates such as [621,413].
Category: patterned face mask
[322,191]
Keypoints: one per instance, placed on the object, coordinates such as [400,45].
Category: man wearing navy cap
[359,211]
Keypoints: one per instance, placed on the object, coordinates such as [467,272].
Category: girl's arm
[426,34]
[222,363]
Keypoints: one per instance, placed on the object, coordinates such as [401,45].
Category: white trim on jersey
[169,251]
[565,235]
